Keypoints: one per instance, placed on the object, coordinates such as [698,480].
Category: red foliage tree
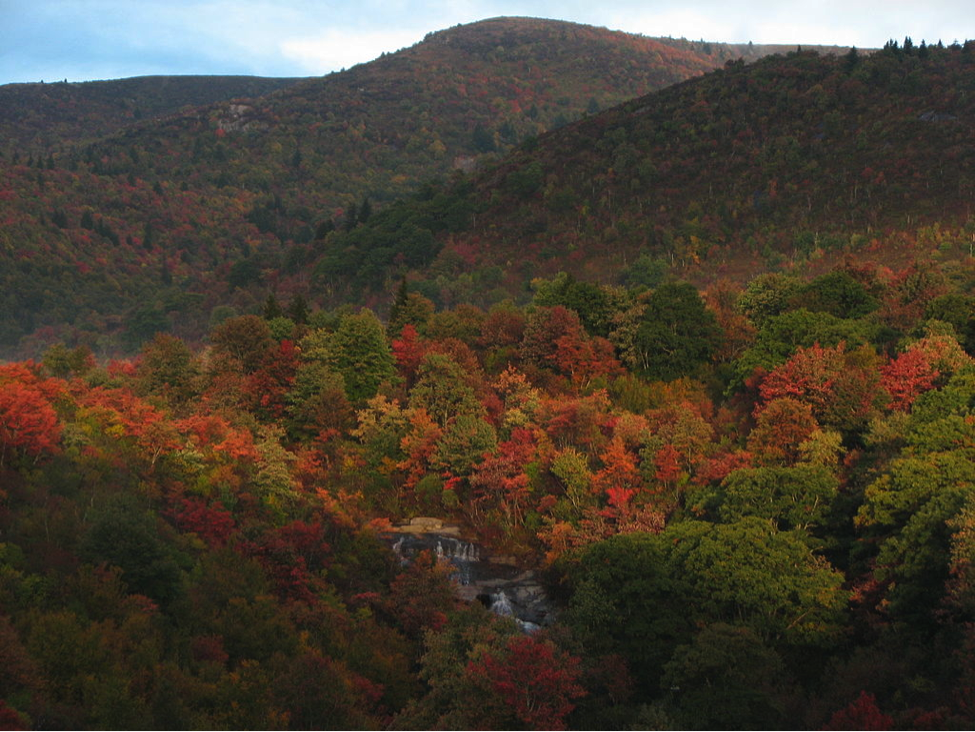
[943,352]
[908,294]
[124,416]
[502,327]
[419,445]
[583,359]
[293,557]
[28,423]
[11,719]
[684,425]
[213,524]
[501,480]
[863,713]
[668,468]
[620,478]
[543,330]
[266,387]
[530,679]
[780,428]
[840,386]
[408,351]
[580,422]
[422,595]
[907,377]
[719,467]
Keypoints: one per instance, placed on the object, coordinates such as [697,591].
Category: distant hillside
[786,162]
[383,127]
[153,226]
[44,118]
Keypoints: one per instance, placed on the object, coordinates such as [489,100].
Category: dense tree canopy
[707,378]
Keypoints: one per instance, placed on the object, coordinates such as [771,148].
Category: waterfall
[398,551]
[502,586]
[501,605]
[461,554]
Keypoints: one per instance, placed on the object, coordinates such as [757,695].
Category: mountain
[41,119]
[156,224]
[789,162]
[381,128]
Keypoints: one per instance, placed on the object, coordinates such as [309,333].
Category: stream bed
[497,582]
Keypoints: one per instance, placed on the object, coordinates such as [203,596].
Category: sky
[82,40]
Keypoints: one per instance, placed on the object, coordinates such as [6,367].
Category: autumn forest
[682,332]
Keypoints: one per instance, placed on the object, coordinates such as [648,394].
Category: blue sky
[81,40]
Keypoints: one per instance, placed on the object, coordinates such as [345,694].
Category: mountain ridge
[779,160]
[215,205]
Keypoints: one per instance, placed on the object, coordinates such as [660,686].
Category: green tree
[642,595]
[728,678]
[125,534]
[365,210]
[62,362]
[409,308]
[838,294]
[168,368]
[143,323]
[482,139]
[455,699]
[768,295]
[317,401]
[442,389]
[246,338]
[359,351]
[781,335]
[677,333]
[646,272]
[464,444]
[351,217]
[591,302]
[959,311]
[297,310]
[626,600]
[272,309]
[244,273]
[910,509]
[792,498]
[748,573]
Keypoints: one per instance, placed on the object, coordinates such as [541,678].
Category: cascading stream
[507,590]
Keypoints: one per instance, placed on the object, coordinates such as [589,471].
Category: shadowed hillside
[156,224]
[38,119]
[781,163]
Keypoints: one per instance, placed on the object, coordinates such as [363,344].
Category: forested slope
[703,361]
[753,508]
[216,204]
[788,162]
[44,119]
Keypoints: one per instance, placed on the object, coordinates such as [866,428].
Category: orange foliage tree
[29,423]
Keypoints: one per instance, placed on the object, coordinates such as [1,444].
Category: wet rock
[497,581]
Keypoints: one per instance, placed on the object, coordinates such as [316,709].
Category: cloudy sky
[81,40]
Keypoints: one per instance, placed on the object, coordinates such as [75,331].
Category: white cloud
[337,48]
